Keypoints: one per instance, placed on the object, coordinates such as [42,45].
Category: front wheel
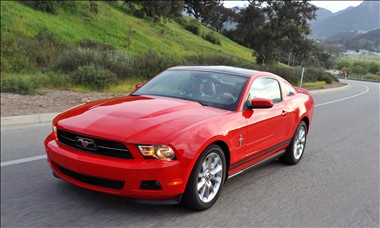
[296,148]
[206,180]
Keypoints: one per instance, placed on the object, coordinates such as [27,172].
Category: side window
[266,88]
[289,89]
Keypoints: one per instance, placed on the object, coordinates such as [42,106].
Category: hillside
[363,17]
[356,41]
[343,36]
[110,27]
[105,46]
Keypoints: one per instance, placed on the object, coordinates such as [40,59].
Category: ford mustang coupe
[181,135]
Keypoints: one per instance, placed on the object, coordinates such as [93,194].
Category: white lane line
[18,161]
[346,98]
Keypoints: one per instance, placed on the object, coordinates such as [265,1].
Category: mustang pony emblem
[86,143]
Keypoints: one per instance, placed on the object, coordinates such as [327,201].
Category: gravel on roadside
[47,101]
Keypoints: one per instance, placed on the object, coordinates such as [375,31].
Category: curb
[319,91]
[27,119]
[48,117]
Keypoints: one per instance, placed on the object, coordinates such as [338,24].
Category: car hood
[136,119]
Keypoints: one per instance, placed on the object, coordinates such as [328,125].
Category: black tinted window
[207,88]
[289,89]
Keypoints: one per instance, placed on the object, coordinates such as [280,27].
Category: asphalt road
[335,185]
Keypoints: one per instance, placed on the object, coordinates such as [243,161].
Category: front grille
[106,183]
[102,147]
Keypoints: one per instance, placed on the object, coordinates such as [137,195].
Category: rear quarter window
[289,89]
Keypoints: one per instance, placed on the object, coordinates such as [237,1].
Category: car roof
[218,69]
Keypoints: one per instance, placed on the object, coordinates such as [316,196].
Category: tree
[200,9]
[218,16]
[156,9]
[267,26]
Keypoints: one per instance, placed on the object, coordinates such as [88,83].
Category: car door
[267,128]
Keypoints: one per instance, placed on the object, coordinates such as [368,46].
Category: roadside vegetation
[360,66]
[110,46]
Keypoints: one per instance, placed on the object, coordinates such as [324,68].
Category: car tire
[296,148]
[206,180]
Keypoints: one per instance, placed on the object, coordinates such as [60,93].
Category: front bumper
[88,170]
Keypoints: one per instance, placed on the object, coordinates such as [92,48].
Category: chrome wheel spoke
[217,180]
[209,163]
[215,162]
[204,166]
[201,183]
[217,170]
[202,192]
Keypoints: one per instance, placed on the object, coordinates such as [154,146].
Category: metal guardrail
[358,79]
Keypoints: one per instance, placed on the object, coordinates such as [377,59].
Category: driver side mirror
[258,102]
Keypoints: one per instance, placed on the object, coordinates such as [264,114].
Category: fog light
[150,185]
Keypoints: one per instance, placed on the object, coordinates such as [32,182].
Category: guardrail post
[303,70]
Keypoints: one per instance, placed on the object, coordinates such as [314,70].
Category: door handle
[283,113]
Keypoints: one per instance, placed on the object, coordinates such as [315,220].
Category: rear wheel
[206,180]
[296,148]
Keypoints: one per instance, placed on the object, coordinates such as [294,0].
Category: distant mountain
[343,10]
[358,40]
[322,14]
[364,17]
[369,41]
[372,35]
[342,36]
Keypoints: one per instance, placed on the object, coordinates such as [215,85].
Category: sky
[333,6]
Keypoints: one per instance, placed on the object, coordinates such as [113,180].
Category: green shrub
[43,5]
[358,69]
[21,53]
[374,68]
[19,85]
[45,48]
[94,7]
[372,77]
[150,63]
[57,80]
[93,77]
[70,60]
[291,74]
[69,6]
[13,55]
[193,28]
[87,43]
[139,14]
[343,64]
[318,74]
[212,38]
[218,60]
[120,63]
[183,21]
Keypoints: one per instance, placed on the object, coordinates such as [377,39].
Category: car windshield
[212,89]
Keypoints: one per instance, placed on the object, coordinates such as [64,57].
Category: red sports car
[181,135]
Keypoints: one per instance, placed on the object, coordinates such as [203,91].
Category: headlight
[157,151]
